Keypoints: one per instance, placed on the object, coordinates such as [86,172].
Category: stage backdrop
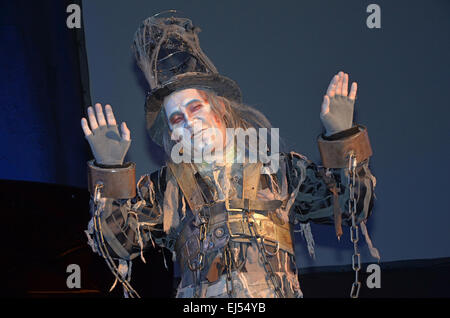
[283,55]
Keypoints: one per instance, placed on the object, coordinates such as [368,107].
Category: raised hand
[107,145]
[338,105]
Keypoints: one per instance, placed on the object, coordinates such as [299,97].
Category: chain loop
[200,256]
[98,192]
[277,246]
[228,263]
[202,232]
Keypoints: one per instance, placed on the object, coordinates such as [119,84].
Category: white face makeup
[191,117]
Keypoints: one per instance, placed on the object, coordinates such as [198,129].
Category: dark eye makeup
[196,107]
[176,119]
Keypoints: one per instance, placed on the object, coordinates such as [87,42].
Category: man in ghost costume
[228,221]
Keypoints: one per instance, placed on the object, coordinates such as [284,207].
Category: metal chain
[262,250]
[203,228]
[354,232]
[228,263]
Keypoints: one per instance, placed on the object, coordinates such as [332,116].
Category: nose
[192,123]
[190,120]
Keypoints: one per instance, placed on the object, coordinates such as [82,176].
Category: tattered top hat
[168,52]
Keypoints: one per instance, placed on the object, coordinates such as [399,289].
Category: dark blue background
[40,95]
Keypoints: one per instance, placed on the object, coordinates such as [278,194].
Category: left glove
[340,115]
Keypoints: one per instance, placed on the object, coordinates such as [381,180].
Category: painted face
[191,118]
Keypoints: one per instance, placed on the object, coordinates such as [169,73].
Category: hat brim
[221,85]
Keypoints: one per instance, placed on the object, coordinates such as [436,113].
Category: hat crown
[169,46]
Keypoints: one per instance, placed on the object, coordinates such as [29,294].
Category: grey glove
[340,116]
[107,145]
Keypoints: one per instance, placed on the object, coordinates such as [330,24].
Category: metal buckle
[277,246]
[230,232]
[227,207]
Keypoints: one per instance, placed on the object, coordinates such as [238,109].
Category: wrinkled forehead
[180,99]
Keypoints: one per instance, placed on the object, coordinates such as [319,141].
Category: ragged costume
[229,226]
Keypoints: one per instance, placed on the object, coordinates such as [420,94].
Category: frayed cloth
[305,229]
[373,251]
[170,206]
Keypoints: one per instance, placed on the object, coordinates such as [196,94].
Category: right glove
[107,145]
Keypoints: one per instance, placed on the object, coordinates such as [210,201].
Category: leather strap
[331,185]
[274,234]
[334,153]
[250,182]
[184,174]
[118,183]
[253,205]
[336,212]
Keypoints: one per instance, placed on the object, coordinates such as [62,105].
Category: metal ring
[219,232]
[277,247]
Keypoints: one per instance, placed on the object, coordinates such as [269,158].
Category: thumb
[325,108]
[125,131]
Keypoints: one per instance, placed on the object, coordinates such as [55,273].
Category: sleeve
[125,227]
[322,193]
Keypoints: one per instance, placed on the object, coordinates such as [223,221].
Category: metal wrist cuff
[335,153]
[118,183]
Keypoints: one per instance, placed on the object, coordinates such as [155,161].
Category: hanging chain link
[354,232]
[228,264]
[200,263]
[201,255]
